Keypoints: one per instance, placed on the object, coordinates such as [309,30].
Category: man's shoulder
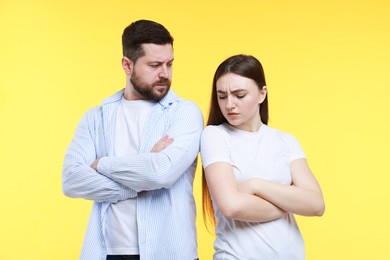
[172,99]
[93,114]
[116,97]
[187,108]
[97,111]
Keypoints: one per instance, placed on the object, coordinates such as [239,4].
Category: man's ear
[127,65]
[263,94]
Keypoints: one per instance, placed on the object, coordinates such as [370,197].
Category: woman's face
[239,99]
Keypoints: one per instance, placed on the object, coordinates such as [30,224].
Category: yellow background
[327,69]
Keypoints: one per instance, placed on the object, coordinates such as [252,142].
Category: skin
[149,78]
[257,200]
[232,202]
[239,99]
[303,197]
[162,144]
[152,72]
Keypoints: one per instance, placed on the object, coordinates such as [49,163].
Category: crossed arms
[112,179]
[258,200]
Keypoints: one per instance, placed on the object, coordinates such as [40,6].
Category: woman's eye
[240,96]
[221,97]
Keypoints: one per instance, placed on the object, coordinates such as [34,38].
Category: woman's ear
[263,94]
[127,65]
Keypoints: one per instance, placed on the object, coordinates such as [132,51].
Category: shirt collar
[165,102]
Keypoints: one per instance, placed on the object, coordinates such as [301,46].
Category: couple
[135,156]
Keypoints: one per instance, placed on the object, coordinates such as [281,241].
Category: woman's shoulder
[212,130]
[280,134]
[212,127]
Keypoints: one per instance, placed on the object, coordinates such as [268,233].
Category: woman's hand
[302,197]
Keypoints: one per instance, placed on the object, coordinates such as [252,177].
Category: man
[135,156]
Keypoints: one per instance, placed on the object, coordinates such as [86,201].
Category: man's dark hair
[140,32]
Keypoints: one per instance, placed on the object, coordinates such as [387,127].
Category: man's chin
[161,88]
[160,93]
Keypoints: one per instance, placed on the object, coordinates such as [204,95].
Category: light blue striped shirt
[162,182]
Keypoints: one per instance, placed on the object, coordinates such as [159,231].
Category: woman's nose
[230,103]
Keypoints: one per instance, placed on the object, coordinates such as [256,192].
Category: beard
[153,91]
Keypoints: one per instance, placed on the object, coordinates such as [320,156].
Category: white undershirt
[121,232]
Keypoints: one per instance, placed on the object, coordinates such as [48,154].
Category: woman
[255,177]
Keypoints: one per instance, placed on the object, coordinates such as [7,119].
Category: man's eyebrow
[160,62]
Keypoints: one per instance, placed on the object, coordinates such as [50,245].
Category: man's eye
[240,96]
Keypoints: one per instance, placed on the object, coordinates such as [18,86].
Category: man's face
[152,73]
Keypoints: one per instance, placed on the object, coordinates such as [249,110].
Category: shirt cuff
[127,194]
[103,166]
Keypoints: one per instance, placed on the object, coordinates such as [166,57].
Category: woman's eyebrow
[233,91]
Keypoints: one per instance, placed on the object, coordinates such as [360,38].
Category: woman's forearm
[251,208]
[297,200]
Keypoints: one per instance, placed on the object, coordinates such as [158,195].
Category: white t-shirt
[121,232]
[265,154]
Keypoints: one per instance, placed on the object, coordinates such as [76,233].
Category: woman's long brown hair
[246,66]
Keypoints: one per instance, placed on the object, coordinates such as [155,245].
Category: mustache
[160,82]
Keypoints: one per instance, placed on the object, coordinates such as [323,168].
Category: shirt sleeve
[213,147]
[152,171]
[79,180]
[295,149]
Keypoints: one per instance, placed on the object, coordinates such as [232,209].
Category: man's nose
[164,72]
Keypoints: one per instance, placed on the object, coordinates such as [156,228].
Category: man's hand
[95,164]
[158,147]
[162,144]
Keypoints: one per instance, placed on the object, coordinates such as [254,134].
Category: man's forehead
[158,52]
